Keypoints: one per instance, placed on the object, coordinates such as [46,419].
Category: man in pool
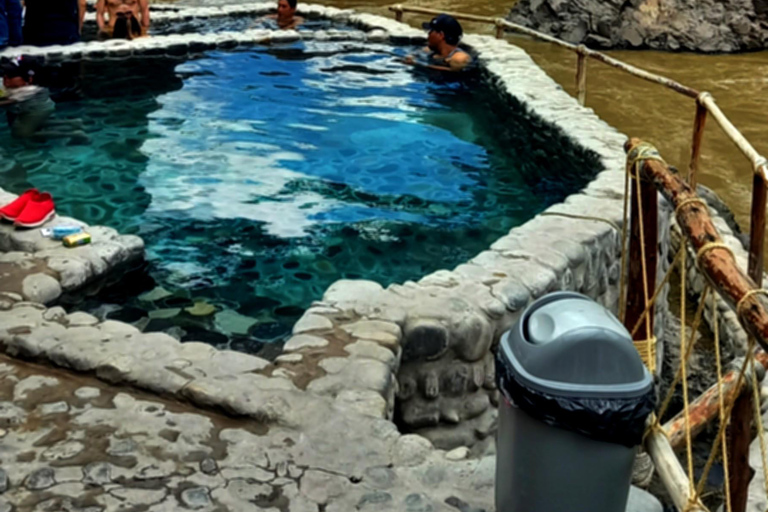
[286,15]
[130,12]
[443,52]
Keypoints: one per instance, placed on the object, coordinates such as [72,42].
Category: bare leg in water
[41,128]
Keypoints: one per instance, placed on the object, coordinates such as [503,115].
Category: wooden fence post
[581,75]
[398,12]
[757,225]
[698,135]
[500,28]
[739,439]
[636,288]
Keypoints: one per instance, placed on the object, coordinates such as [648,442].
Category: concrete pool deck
[312,430]
[72,443]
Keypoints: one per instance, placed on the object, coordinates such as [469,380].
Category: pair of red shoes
[30,209]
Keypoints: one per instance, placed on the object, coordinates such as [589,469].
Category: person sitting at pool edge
[29,107]
[443,45]
[132,12]
[286,15]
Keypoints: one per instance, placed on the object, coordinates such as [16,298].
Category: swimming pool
[257,178]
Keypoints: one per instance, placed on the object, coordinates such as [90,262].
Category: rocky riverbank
[707,26]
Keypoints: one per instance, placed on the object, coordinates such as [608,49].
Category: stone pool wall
[441,382]
[421,347]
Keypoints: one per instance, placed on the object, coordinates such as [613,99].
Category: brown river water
[649,111]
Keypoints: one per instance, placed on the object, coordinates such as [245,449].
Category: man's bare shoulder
[460,60]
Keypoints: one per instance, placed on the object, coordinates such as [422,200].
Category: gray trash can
[576,398]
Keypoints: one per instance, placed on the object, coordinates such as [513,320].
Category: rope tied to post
[640,153]
[693,213]
[647,351]
[690,201]
[712,246]
[743,302]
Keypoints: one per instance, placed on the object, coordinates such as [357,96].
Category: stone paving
[74,443]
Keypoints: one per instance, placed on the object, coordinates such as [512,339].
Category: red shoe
[14,209]
[38,211]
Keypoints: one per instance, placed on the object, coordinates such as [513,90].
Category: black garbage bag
[618,420]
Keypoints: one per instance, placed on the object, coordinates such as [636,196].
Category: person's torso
[30,100]
[438,60]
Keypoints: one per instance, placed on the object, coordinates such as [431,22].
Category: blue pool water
[257,178]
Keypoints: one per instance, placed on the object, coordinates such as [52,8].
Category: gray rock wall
[691,25]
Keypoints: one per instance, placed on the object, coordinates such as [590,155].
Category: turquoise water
[258,178]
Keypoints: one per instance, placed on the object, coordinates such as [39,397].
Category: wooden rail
[720,269]
[707,406]
[715,261]
[705,104]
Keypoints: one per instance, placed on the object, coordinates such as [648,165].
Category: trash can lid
[566,344]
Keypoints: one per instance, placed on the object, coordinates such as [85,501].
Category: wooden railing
[705,105]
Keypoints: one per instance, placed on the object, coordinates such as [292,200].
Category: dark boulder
[707,26]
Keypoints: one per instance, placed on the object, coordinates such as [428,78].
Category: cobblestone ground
[73,443]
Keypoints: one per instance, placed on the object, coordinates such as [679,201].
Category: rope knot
[642,153]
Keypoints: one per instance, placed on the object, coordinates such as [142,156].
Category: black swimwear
[437,60]
[50,22]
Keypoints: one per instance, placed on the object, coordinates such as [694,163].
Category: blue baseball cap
[446,24]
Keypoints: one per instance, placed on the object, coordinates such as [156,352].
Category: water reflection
[258,178]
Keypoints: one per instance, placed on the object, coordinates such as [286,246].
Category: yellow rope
[721,431]
[709,247]
[656,293]
[647,351]
[684,357]
[690,201]
[746,297]
[646,295]
[641,153]
[638,154]
[759,422]
[684,370]
[581,217]
[694,504]
[721,404]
